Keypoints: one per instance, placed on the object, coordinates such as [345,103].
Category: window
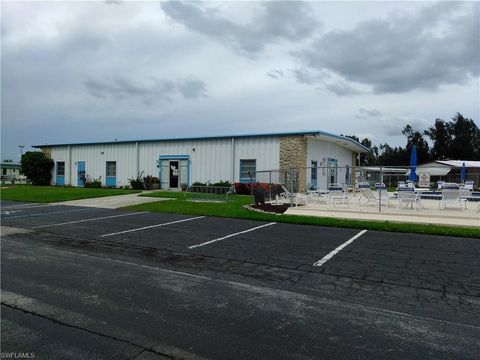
[314,170]
[4,171]
[247,169]
[60,168]
[111,168]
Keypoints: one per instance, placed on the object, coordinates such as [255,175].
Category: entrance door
[313,176]
[332,171]
[81,175]
[174,174]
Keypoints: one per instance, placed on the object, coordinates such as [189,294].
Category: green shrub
[137,183]
[223,183]
[198,183]
[37,167]
[95,183]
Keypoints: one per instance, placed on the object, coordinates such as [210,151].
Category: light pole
[21,151]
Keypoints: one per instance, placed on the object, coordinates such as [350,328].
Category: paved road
[97,283]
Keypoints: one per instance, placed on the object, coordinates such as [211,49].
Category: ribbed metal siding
[210,161]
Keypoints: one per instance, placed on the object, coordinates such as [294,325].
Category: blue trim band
[174,157]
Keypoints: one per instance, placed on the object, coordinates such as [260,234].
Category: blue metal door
[60,180]
[81,175]
[60,173]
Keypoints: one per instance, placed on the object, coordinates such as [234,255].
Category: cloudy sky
[96,71]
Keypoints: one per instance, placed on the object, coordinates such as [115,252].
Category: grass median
[234,209]
[46,194]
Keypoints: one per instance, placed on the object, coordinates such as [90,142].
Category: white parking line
[26,206]
[92,219]
[152,226]
[338,249]
[231,235]
[41,214]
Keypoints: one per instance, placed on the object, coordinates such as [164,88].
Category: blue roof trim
[10,165]
[168,157]
[279,134]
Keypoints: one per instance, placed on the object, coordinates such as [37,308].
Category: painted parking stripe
[231,235]
[338,249]
[25,206]
[91,219]
[152,226]
[43,214]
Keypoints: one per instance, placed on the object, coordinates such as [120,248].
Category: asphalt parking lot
[100,283]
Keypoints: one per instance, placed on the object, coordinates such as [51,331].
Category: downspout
[233,160]
[70,165]
[137,156]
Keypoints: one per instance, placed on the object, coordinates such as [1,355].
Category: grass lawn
[234,209]
[45,194]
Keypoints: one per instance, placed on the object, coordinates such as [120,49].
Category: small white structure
[11,171]
[208,159]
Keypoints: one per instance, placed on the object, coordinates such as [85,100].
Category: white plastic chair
[370,196]
[406,195]
[336,194]
[451,194]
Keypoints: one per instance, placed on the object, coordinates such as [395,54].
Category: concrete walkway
[113,202]
[429,214]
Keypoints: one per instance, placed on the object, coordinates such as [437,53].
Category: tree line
[458,139]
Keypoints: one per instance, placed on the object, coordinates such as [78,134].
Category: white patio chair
[451,194]
[370,196]
[315,197]
[298,198]
[336,194]
[406,195]
[468,185]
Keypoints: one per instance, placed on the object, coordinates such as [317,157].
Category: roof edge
[213,137]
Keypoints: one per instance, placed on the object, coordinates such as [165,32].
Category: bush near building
[246,188]
[37,167]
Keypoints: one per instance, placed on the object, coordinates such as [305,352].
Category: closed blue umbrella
[413,165]
[463,173]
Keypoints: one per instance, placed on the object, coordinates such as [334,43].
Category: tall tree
[415,138]
[440,136]
[465,136]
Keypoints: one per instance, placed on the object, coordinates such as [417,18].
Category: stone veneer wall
[293,154]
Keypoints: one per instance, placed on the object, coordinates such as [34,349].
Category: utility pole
[21,151]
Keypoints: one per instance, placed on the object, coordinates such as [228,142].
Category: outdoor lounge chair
[336,194]
[468,185]
[451,193]
[406,195]
[370,196]
[298,198]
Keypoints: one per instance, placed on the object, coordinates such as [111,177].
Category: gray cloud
[389,125]
[324,79]
[192,88]
[148,91]
[276,74]
[363,113]
[292,21]
[438,45]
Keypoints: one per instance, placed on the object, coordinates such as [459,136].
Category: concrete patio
[428,214]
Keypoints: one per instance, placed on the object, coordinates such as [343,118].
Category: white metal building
[207,159]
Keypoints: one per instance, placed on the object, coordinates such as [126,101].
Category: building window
[60,168]
[4,171]
[248,168]
[111,168]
